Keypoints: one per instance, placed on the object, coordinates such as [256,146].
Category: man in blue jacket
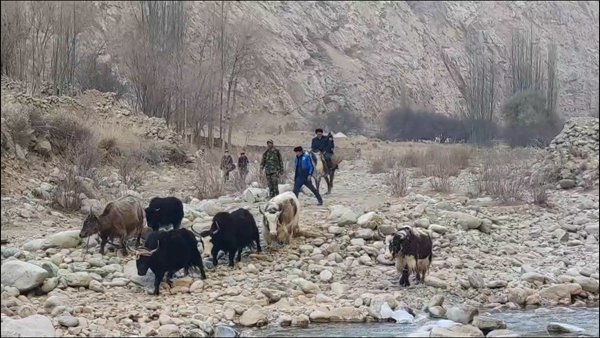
[304,169]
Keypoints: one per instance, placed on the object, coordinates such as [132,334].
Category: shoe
[320,203]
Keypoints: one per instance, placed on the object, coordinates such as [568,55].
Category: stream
[526,323]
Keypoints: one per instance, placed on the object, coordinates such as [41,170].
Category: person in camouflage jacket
[272,164]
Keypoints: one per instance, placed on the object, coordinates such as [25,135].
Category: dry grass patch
[382,164]
[208,182]
[502,175]
[398,181]
[66,195]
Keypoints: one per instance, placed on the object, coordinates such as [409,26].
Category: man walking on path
[272,164]
[227,164]
[304,169]
[243,165]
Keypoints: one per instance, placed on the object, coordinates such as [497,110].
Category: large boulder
[456,331]
[64,240]
[253,195]
[77,279]
[587,283]
[464,220]
[342,215]
[211,207]
[462,314]
[22,275]
[254,316]
[369,220]
[487,323]
[32,326]
[559,294]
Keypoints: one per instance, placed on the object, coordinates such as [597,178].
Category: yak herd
[168,251]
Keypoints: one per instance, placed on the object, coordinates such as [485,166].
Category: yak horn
[146,252]
[218,228]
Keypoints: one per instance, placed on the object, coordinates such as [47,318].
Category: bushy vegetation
[341,120]
[92,74]
[408,124]
[529,120]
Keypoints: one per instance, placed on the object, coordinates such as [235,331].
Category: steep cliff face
[365,55]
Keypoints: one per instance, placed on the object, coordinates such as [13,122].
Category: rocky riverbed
[487,257]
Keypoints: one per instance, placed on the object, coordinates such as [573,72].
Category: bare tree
[480,96]
[14,34]
[526,62]
[552,85]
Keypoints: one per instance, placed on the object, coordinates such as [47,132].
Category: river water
[527,323]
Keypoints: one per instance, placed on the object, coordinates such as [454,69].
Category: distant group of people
[228,166]
[272,164]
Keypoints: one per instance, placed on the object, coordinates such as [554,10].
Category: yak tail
[197,264]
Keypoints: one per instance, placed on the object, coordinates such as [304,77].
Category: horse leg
[331,175]
[328,181]
[317,181]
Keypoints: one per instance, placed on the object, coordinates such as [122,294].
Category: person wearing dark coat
[323,144]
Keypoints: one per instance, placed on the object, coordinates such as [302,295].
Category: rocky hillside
[360,55]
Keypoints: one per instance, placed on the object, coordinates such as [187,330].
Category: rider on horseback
[324,145]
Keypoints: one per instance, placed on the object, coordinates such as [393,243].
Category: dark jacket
[304,166]
[243,162]
[322,144]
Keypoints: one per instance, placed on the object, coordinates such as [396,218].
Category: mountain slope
[364,55]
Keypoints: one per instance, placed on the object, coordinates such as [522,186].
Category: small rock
[435,282]
[567,183]
[197,286]
[169,330]
[326,276]
[306,286]
[96,286]
[437,300]
[456,331]
[533,277]
[487,323]
[364,234]
[76,279]
[476,280]
[339,288]
[437,311]
[440,229]
[68,321]
[49,284]
[503,333]
[273,295]
[300,321]
[225,331]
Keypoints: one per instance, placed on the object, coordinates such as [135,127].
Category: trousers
[273,182]
[305,181]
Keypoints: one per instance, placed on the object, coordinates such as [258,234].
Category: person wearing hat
[227,164]
[243,165]
[304,169]
[272,165]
